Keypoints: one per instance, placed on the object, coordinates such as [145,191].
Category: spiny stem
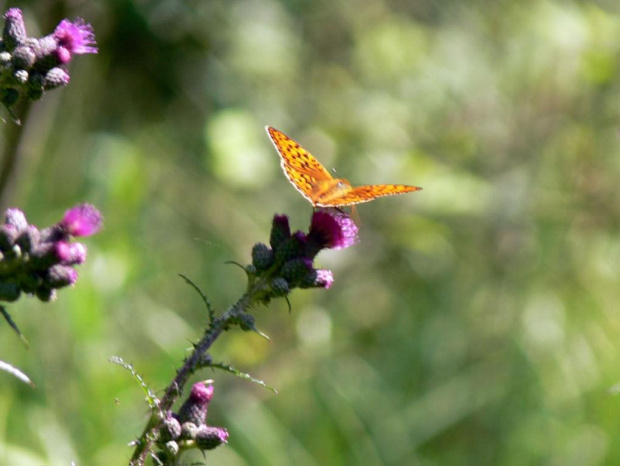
[173,391]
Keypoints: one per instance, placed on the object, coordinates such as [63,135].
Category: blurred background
[475,323]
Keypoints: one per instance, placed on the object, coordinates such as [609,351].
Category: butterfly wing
[367,193]
[303,171]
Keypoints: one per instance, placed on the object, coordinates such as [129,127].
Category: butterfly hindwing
[360,194]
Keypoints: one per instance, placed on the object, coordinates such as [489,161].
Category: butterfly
[317,185]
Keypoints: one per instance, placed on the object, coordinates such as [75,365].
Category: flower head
[194,409]
[82,220]
[74,39]
[332,229]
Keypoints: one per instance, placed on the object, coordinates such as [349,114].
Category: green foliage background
[477,321]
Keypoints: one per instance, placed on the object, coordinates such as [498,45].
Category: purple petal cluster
[30,66]
[190,424]
[332,230]
[38,262]
[288,262]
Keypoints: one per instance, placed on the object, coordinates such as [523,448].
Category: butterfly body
[317,185]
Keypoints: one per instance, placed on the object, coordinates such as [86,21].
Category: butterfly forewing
[317,185]
[301,168]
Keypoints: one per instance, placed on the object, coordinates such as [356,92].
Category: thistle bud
[194,409]
[14,32]
[280,231]
[262,256]
[207,438]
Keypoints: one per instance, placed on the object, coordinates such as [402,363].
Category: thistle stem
[193,362]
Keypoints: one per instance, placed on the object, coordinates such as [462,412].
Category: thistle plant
[38,262]
[30,66]
[277,268]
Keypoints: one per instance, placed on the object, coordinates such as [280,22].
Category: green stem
[9,163]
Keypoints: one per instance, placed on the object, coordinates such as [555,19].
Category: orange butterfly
[317,185]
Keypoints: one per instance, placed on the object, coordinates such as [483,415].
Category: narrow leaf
[205,300]
[13,325]
[4,366]
[242,375]
[151,398]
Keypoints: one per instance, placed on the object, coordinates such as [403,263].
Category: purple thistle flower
[332,229]
[82,220]
[324,278]
[74,39]
[194,409]
[319,278]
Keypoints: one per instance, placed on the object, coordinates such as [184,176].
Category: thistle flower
[195,407]
[38,262]
[82,220]
[30,66]
[332,229]
[74,39]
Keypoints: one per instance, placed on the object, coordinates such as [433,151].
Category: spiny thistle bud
[23,57]
[170,428]
[207,438]
[195,407]
[28,239]
[280,231]
[59,276]
[16,218]
[296,270]
[262,256]
[14,32]
[54,78]
[280,287]
[295,246]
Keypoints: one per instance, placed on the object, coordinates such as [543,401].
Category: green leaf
[13,325]
[205,300]
[16,372]
[152,400]
[242,375]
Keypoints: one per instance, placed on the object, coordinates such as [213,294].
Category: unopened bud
[207,438]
